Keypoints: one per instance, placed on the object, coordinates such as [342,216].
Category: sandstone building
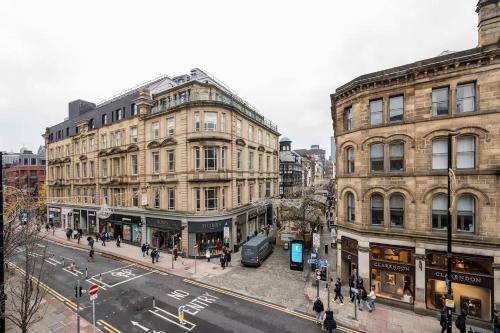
[391,132]
[178,161]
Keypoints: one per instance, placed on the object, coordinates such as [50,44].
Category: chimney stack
[489,22]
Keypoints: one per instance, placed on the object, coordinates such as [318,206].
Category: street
[125,301]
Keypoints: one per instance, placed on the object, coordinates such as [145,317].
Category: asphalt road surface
[125,300]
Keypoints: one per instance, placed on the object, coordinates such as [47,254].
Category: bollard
[100,277]
[86,273]
[63,261]
[154,302]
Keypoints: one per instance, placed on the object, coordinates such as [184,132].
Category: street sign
[93,290]
[316,241]
[450,303]
[93,297]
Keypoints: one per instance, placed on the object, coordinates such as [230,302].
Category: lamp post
[449,254]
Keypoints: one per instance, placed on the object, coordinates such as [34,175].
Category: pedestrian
[406,285]
[329,322]
[91,242]
[371,299]
[118,240]
[47,227]
[69,232]
[153,256]
[443,320]
[207,255]
[318,309]
[103,239]
[91,255]
[222,260]
[175,253]
[157,254]
[143,250]
[460,322]
[72,266]
[338,292]
[359,286]
[147,249]
[362,298]
[228,258]
[78,237]
[352,285]
[496,322]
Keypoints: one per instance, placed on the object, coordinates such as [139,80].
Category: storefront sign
[349,257]
[450,303]
[123,218]
[212,226]
[463,278]
[163,223]
[392,267]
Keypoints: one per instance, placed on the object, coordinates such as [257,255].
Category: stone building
[290,175]
[25,170]
[391,131]
[177,160]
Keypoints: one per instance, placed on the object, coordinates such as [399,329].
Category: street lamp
[449,254]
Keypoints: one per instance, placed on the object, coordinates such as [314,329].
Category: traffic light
[322,273]
[78,291]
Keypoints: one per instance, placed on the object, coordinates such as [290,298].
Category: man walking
[338,292]
[318,309]
[460,322]
[91,255]
[103,239]
[371,299]
[153,255]
[143,249]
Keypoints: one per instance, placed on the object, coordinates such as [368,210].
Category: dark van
[256,250]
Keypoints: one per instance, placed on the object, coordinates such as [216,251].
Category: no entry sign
[93,290]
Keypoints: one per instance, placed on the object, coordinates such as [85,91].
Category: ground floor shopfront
[73,218]
[128,227]
[414,273]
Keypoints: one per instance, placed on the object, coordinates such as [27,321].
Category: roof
[285,139]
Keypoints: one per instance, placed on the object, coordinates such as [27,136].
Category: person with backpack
[329,323]
[338,292]
[460,322]
[318,309]
[362,297]
[443,320]
[496,322]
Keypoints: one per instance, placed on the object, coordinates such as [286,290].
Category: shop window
[351,217]
[377,209]
[440,102]
[440,212]
[376,112]
[466,152]
[466,213]
[440,154]
[377,157]
[396,108]
[211,158]
[350,160]
[397,209]
[211,198]
[396,156]
[466,97]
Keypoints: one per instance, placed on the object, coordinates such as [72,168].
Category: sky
[283,57]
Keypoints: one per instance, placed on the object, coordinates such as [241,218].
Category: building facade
[25,170]
[290,176]
[391,130]
[315,161]
[180,160]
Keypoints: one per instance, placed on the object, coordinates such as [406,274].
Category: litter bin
[285,246]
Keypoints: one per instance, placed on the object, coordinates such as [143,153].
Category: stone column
[364,261]
[339,260]
[420,282]
[184,233]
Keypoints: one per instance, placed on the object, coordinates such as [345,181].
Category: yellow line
[270,305]
[108,327]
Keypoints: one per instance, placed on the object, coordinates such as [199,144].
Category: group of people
[225,257]
[76,234]
[323,317]
[358,294]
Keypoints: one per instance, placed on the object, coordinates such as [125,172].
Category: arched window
[349,160]
[351,217]
[377,157]
[397,208]
[377,209]
[466,209]
[440,212]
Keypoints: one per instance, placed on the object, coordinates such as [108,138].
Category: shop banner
[212,226]
[349,257]
[393,267]
[152,222]
[463,278]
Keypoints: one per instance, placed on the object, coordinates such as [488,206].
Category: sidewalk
[183,266]
[58,318]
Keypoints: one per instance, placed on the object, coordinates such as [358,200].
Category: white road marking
[187,325]
[50,262]
[70,272]
[133,278]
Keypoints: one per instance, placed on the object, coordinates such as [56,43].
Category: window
[396,156]
[104,168]
[440,103]
[170,126]
[135,196]
[350,160]
[133,109]
[211,198]
[133,165]
[84,146]
[466,152]
[238,160]
[211,158]
[104,141]
[223,122]
[268,188]
[118,115]
[222,198]
[238,127]
[157,199]
[377,209]
[397,210]
[91,169]
[104,119]
[440,154]
[116,167]
[466,213]
[396,108]
[250,193]
[259,136]
[196,121]
[91,144]
[377,157]
[268,139]
[68,172]
[238,195]
[440,212]
[171,199]
[133,135]
[155,130]
[376,112]
[223,158]
[77,149]
[171,160]
[210,121]
[197,199]
[197,158]
[260,162]
[268,163]
[118,138]
[351,206]
[250,161]
[259,193]
[250,133]
[156,163]
[466,97]
[348,119]
[77,168]
[84,169]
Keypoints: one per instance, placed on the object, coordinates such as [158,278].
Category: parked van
[256,250]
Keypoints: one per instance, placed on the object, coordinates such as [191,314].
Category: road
[125,301]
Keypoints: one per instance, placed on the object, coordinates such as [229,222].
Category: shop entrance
[117,231]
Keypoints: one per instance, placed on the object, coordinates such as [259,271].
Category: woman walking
[338,292]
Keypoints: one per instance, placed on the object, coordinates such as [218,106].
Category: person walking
[153,255]
[352,285]
[118,240]
[338,292]
[103,239]
[175,252]
[460,322]
[443,320]
[78,237]
[147,249]
[228,258]
[362,297]
[318,309]
[91,255]
[69,232]
[143,250]
[222,260]
[371,299]
[329,322]
[157,254]
[207,255]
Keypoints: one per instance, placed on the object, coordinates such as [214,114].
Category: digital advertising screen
[296,255]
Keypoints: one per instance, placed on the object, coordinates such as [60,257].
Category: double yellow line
[108,327]
[269,305]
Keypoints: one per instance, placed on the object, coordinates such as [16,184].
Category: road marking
[108,327]
[100,283]
[187,325]
[133,278]
[70,272]
[114,270]
[144,328]
[269,305]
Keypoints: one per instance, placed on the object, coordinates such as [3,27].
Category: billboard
[296,255]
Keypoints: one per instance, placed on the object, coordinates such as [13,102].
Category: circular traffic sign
[93,289]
